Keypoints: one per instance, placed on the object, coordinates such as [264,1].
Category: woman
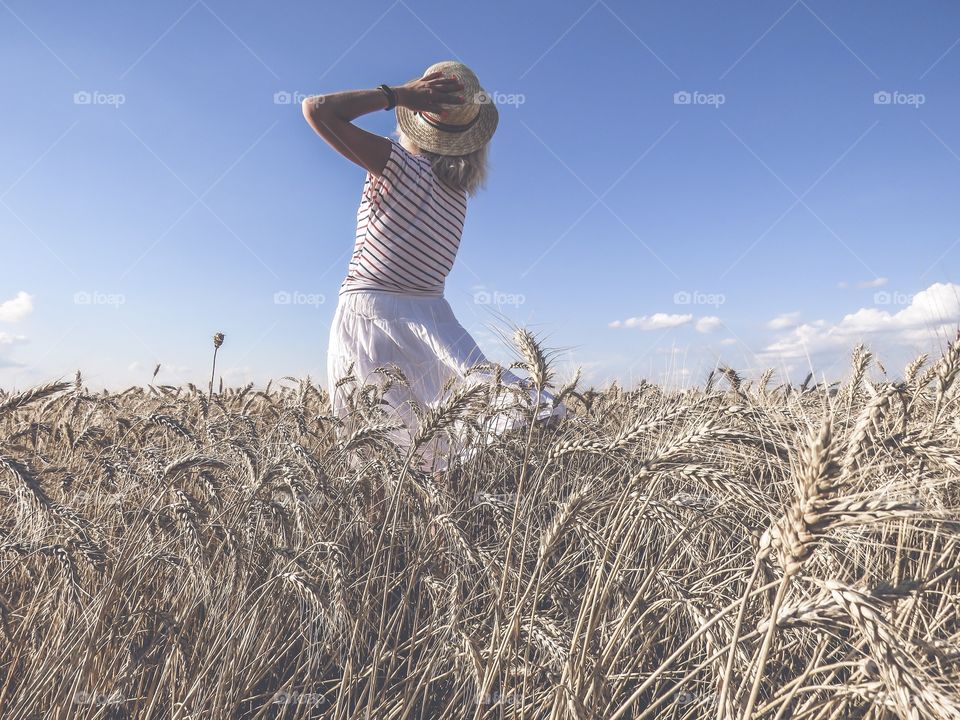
[391,308]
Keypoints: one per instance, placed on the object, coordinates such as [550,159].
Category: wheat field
[736,550]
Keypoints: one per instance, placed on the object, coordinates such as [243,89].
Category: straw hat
[466,128]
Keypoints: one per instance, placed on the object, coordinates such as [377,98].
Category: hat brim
[444,142]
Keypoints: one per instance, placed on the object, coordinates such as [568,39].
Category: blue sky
[673,184]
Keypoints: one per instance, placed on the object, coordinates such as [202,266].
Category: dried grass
[729,551]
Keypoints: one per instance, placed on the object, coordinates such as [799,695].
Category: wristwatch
[391,96]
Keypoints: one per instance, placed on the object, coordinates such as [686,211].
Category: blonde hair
[462,172]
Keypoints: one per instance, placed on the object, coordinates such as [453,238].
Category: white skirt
[420,335]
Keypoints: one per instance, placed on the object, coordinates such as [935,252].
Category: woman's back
[409,225]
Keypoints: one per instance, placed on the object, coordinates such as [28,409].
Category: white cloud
[17,308]
[657,321]
[708,324]
[784,321]
[8,339]
[930,313]
[728,341]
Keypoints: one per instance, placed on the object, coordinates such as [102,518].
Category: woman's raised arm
[331,116]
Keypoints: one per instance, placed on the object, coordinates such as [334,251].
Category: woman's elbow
[312,108]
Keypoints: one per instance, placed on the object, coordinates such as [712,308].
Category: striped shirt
[408,228]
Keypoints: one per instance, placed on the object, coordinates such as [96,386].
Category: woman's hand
[430,93]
